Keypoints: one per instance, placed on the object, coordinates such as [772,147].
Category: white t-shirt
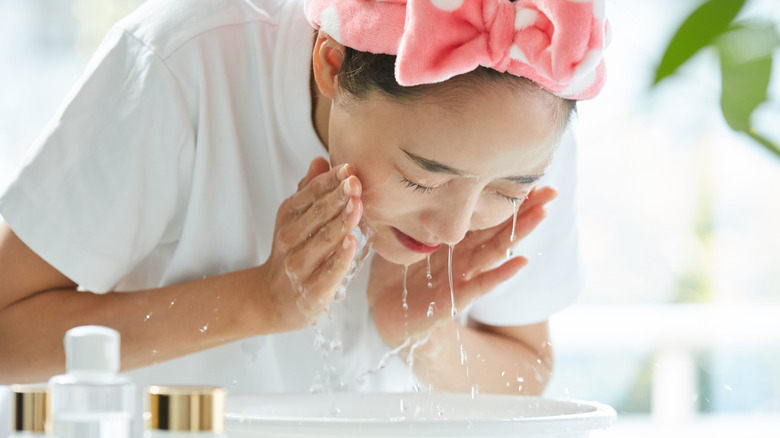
[168,162]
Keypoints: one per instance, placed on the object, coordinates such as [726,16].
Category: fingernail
[343,172]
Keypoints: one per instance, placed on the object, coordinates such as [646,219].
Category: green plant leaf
[771,147]
[698,31]
[746,65]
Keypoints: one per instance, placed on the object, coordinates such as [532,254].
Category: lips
[414,245]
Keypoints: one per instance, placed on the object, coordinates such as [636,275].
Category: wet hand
[312,248]
[479,264]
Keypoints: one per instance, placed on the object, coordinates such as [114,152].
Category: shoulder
[166,25]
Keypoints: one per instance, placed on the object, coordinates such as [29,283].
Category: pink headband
[558,44]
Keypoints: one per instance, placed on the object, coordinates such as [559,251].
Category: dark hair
[362,73]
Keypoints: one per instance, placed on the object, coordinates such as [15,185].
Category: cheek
[384,197]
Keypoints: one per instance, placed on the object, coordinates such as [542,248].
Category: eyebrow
[436,167]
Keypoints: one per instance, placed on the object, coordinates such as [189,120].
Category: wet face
[435,168]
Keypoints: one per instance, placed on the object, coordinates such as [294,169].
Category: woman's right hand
[312,248]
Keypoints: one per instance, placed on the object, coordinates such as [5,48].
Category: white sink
[408,415]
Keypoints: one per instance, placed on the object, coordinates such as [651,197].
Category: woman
[165,199]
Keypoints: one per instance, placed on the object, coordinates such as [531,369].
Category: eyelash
[416,187]
[426,189]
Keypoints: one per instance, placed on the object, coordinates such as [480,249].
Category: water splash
[383,361]
[454,310]
[363,235]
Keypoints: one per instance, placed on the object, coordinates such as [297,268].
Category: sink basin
[408,415]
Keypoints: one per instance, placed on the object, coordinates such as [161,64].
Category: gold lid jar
[30,409]
[185,409]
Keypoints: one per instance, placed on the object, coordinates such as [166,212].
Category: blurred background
[678,326]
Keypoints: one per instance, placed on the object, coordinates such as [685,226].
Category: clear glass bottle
[28,411]
[185,412]
[91,400]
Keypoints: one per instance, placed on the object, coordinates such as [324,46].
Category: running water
[454,310]
[405,305]
[406,292]
[515,207]
[513,237]
[428,273]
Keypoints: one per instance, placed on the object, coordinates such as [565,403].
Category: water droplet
[204,328]
[509,253]
[503,373]
[154,352]
[430,309]
[235,382]
[148,316]
[173,301]
[728,388]
[520,379]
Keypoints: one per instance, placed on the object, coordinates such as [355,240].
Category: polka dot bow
[558,44]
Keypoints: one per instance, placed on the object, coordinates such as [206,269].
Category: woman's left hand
[475,271]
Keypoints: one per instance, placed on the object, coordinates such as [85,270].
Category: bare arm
[508,360]
[38,304]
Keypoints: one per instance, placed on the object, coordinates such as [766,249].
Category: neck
[320,113]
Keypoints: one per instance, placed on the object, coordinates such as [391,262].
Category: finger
[537,196]
[300,201]
[494,250]
[322,284]
[487,281]
[304,226]
[318,165]
[309,255]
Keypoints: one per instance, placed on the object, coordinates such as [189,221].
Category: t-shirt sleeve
[100,186]
[551,280]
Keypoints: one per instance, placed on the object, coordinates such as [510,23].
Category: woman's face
[436,168]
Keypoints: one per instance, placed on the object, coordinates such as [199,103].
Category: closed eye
[416,187]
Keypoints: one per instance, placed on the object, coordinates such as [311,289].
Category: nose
[450,220]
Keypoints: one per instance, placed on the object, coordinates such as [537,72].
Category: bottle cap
[92,348]
[186,408]
[29,408]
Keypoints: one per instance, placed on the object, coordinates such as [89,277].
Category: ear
[326,63]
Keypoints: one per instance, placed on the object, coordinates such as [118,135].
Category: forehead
[489,131]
